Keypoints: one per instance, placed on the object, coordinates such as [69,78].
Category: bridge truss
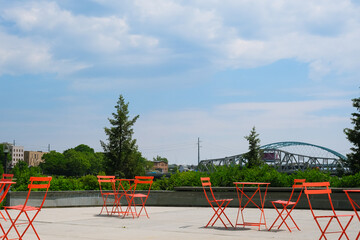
[282,156]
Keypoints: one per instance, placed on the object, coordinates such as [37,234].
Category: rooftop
[168,223]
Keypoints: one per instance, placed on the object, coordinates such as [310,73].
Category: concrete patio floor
[168,223]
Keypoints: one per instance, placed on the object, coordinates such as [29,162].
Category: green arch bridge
[287,157]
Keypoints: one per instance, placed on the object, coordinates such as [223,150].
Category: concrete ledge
[182,196]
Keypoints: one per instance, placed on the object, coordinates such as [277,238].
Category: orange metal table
[241,194]
[125,186]
[354,205]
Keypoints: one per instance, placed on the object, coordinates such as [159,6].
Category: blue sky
[207,68]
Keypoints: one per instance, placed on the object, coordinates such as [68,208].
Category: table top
[251,183]
[352,190]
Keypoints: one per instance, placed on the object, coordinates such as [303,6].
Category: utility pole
[198,151]
[49,147]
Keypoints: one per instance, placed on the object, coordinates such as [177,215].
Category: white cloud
[23,55]
[230,34]
[73,41]
[243,34]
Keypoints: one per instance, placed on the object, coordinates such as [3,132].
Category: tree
[4,158]
[54,163]
[160,159]
[76,161]
[121,153]
[84,148]
[96,160]
[353,135]
[254,156]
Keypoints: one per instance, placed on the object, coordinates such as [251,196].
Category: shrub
[89,182]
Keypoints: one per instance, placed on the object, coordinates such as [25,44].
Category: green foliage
[353,135]
[254,155]
[312,175]
[4,161]
[122,157]
[84,148]
[346,181]
[22,173]
[62,183]
[160,159]
[223,177]
[89,182]
[54,163]
[179,179]
[77,161]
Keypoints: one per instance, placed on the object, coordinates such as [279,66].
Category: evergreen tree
[121,153]
[353,135]
[254,156]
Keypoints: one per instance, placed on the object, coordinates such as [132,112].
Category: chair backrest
[206,184]
[7,177]
[38,183]
[143,182]
[298,183]
[4,187]
[104,180]
[318,188]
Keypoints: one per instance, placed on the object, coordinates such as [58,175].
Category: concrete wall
[182,196]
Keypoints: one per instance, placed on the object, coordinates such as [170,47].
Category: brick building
[33,158]
[161,166]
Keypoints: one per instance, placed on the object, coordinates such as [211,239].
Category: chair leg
[344,229]
[13,225]
[143,207]
[279,215]
[131,204]
[291,218]
[104,205]
[2,215]
[117,205]
[30,224]
[220,208]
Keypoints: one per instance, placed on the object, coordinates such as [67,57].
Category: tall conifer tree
[254,155]
[353,135]
[121,151]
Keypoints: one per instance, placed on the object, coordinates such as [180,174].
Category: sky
[203,69]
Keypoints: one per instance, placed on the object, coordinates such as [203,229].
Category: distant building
[173,168]
[17,154]
[186,168]
[33,158]
[160,166]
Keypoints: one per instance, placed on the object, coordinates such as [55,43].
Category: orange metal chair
[355,206]
[4,188]
[7,177]
[317,188]
[218,205]
[105,194]
[293,201]
[144,183]
[36,183]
